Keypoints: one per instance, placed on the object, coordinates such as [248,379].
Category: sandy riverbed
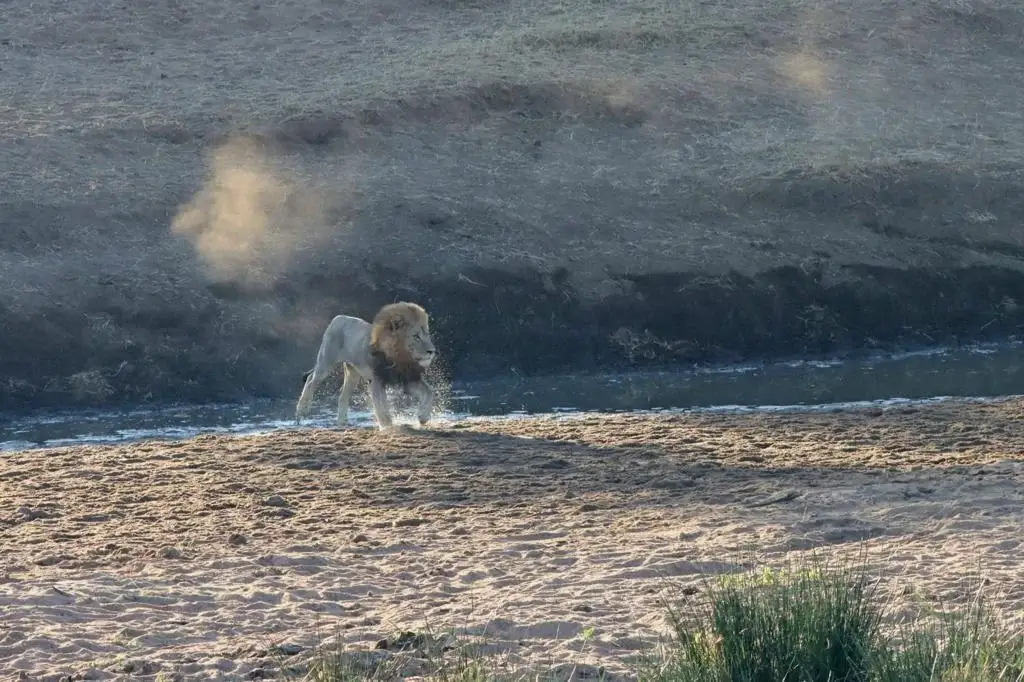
[561,538]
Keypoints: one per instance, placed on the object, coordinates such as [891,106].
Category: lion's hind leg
[313,379]
[327,357]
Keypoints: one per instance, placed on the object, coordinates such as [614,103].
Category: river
[981,371]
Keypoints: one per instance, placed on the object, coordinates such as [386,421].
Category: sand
[559,538]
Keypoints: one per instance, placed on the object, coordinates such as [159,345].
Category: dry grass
[598,139]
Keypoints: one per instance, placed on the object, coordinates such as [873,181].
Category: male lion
[394,350]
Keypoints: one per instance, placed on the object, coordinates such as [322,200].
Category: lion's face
[421,346]
[401,331]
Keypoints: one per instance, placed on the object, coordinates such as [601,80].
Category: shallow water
[989,371]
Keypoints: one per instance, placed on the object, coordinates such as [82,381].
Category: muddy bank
[493,322]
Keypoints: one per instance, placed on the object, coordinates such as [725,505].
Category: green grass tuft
[827,626]
[963,647]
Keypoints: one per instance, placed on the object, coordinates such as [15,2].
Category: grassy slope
[507,162]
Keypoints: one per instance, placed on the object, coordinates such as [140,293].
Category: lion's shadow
[442,470]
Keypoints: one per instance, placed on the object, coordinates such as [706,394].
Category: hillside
[192,189]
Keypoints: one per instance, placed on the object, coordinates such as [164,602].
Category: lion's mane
[390,358]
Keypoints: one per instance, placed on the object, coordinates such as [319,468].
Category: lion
[394,350]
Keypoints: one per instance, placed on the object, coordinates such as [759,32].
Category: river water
[984,371]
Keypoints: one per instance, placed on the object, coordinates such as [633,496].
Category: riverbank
[560,537]
[199,188]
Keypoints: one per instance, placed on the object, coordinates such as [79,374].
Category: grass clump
[827,626]
[772,626]
[964,647]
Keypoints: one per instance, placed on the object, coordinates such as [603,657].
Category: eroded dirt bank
[199,188]
[558,539]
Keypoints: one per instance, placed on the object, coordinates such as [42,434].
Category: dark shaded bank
[491,323]
[520,323]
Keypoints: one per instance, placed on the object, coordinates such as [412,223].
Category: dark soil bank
[226,340]
[612,185]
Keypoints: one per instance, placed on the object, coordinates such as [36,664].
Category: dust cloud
[252,217]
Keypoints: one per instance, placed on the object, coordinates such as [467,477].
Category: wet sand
[558,538]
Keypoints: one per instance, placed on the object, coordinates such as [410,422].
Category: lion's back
[351,336]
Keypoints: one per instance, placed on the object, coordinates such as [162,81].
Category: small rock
[31,514]
[277,513]
[49,559]
[582,608]
[275,501]
[460,530]
[288,649]
[359,537]
[169,552]
[224,665]
[405,641]
[406,523]
[587,508]
[237,540]
[139,667]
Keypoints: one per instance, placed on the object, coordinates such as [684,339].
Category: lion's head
[401,332]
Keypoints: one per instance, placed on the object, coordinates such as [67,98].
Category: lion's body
[394,350]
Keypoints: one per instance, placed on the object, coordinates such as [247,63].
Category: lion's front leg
[379,398]
[348,387]
[425,393]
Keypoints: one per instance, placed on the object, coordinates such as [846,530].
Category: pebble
[169,552]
